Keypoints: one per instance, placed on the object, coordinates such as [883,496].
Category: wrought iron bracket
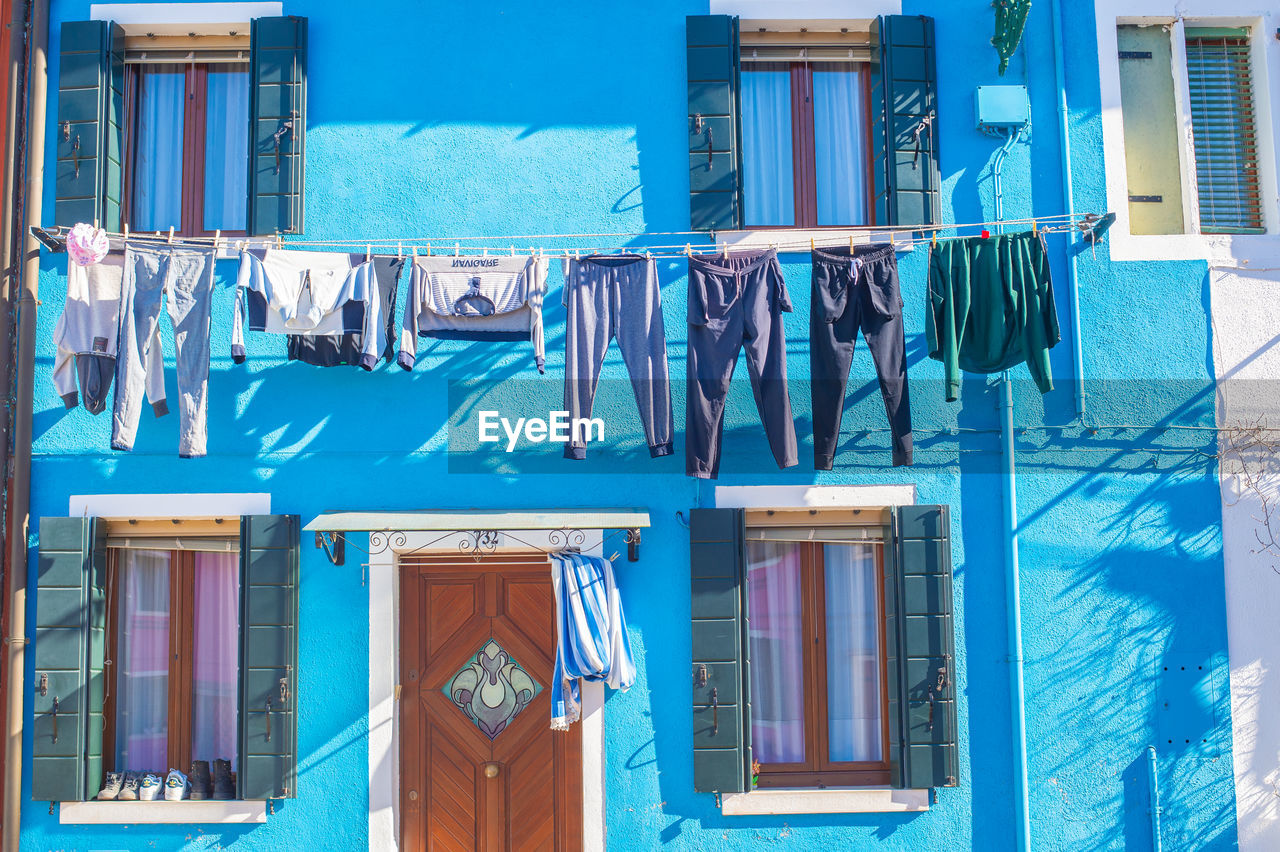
[334,545]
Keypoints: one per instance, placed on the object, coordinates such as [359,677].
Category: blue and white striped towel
[591,633]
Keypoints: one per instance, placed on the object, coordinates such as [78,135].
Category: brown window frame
[181,698]
[194,127]
[817,770]
[804,144]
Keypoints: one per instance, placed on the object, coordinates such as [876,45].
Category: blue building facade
[501,129]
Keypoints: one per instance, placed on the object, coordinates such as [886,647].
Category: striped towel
[591,634]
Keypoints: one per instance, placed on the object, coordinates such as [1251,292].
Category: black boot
[224,785]
[201,781]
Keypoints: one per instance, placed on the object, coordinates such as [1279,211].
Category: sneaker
[201,780]
[176,786]
[111,787]
[224,785]
[129,790]
[149,787]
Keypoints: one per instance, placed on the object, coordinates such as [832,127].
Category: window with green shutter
[202,134]
[794,126]
[154,643]
[823,652]
[1224,129]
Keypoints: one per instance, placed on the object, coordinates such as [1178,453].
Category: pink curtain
[142,704]
[217,648]
[777,655]
[853,652]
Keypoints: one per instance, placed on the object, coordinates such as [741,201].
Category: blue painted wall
[458,119]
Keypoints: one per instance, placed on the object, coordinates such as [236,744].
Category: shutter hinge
[1146,199]
[1135,54]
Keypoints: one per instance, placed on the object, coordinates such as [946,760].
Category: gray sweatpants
[616,296]
[187,277]
[734,302]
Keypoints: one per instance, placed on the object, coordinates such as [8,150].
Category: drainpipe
[1013,605]
[1064,135]
[9,236]
[21,487]
[1153,793]
[1013,591]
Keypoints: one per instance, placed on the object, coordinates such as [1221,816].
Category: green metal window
[1223,123]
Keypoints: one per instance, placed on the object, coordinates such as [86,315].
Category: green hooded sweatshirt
[991,307]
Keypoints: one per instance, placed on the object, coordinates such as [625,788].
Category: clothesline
[492,245]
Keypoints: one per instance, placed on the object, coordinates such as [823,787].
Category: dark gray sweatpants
[852,292]
[608,297]
[734,302]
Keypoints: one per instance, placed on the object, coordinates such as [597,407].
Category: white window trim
[807,9]
[1265,57]
[161,812]
[834,800]
[164,506]
[182,18]
[384,664]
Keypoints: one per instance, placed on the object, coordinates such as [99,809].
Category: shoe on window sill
[176,786]
[129,790]
[149,787]
[111,787]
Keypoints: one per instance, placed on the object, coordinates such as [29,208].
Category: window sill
[834,800]
[797,240]
[161,812]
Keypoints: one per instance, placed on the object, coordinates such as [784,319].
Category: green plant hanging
[1011,17]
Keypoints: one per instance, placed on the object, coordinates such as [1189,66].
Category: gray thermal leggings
[608,297]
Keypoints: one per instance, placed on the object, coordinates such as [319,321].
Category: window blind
[1224,128]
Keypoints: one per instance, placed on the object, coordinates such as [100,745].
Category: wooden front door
[480,766]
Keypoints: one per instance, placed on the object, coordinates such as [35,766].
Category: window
[173,638]
[816,637]
[198,127]
[159,641]
[1212,185]
[822,644]
[806,152]
[187,138]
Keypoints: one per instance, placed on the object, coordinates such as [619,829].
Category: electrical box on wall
[1002,108]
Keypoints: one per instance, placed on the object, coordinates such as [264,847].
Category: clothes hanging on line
[854,291]
[990,307]
[185,277]
[282,291]
[736,300]
[474,298]
[591,633]
[332,350]
[87,333]
[610,297]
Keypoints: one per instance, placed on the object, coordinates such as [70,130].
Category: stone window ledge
[161,812]
[833,800]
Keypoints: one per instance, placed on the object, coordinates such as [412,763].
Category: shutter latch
[44,684]
[935,690]
[286,128]
[699,677]
[268,715]
[715,711]
[284,691]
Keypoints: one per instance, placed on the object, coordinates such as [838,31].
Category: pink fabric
[87,245]
[777,651]
[216,665]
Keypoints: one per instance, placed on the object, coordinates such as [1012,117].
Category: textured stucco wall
[543,118]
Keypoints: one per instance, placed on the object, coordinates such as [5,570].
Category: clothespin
[812,247]
[724,250]
[484,252]
[455,249]
[933,241]
[126,232]
[892,240]
[399,250]
[217,235]
[688,250]
[415,251]
[368,252]
[170,235]
[279,241]
[513,251]
[95,224]
[851,245]
[1034,228]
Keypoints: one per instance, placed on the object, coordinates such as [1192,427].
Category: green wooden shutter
[904,109]
[88,178]
[920,648]
[268,656]
[1224,129]
[66,754]
[278,124]
[721,710]
[715,159]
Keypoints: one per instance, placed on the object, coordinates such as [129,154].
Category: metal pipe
[1068,196]
[1013,600]
[1153,793]
[9,232]
[28,302]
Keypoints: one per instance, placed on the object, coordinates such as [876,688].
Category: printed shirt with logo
[474,298]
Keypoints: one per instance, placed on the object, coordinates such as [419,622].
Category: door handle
[492,770]
[715,711]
